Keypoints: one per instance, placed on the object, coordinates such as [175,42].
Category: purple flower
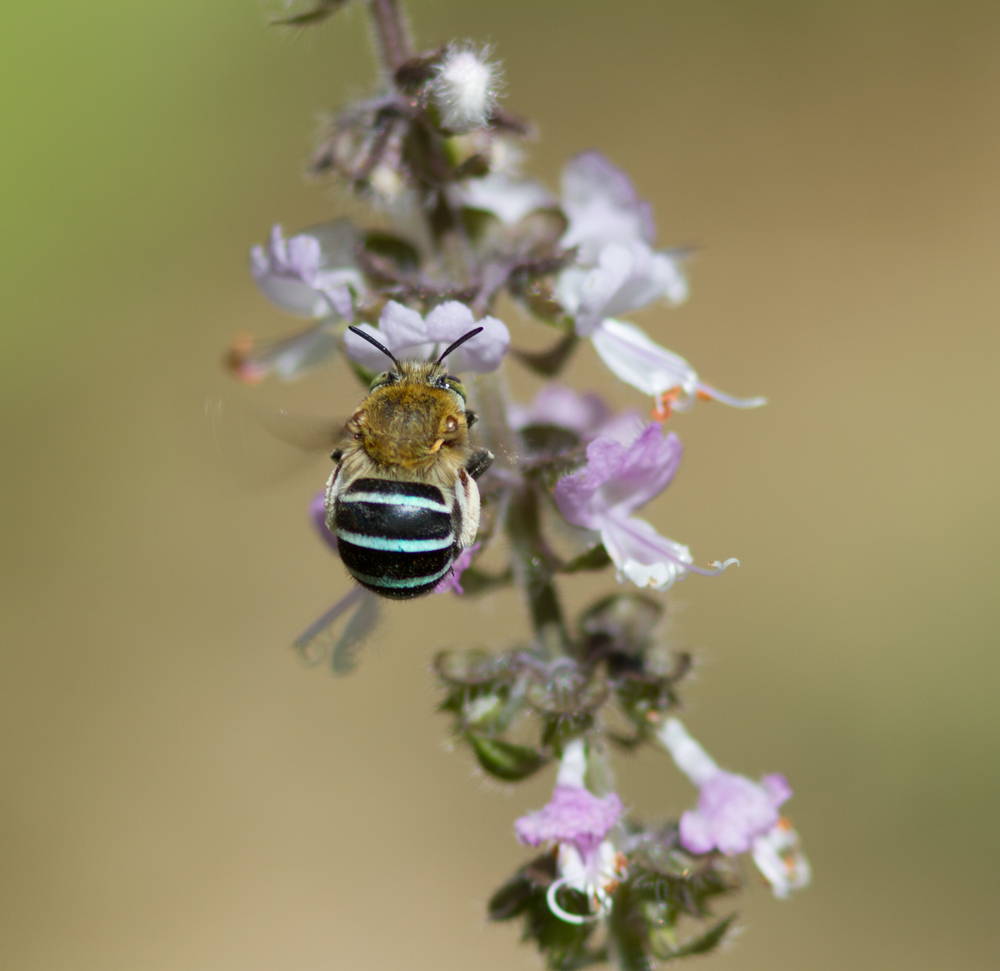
[408,335]
[736,814]
[617,271]
[644,364]
[287,357]
[587,415]
[732,812]
[317,513]
[311,274]
[452,580]
[578,823]
[602,206]
[618,478]
[557,404]
[573,816]
[623,277]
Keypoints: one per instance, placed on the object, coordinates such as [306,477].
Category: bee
[403,500]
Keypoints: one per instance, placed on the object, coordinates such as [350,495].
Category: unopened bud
[465,89]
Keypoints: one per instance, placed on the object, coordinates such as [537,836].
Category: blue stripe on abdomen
[396,544]
[409,585]
[395,498]
[396,538]
[396,510]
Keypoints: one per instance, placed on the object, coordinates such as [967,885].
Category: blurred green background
[181,793]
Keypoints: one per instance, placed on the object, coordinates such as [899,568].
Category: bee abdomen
[396,538]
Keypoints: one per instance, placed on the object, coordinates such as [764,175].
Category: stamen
[557,909]
[665,405]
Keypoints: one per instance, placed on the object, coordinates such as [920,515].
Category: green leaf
[543,440]
[551,362]
[596,558]
[512,898]
[401,255]
[475,581]
[475,668]
[563,728]
[503,759]
[563,944]
[699,945]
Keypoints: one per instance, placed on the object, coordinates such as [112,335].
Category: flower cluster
[412,503]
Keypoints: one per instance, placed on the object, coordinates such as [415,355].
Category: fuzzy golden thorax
[411,426]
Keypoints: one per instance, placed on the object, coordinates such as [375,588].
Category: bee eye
[381,380]
[451,383]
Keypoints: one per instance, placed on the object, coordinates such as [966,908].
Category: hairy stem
[391,33]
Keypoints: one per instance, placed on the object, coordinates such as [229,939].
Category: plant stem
[391,33]
[521,521]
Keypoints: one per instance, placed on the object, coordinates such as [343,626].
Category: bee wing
[308,434]
[264,447]
[337,635]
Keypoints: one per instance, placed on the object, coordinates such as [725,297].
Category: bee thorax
[410,427]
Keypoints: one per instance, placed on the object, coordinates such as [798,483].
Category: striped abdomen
[396,538]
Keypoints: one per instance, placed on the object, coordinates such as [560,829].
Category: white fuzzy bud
[465,89]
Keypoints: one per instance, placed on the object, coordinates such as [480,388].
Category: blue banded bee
[403,500]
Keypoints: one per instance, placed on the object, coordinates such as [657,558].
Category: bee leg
[470,418]
[479,462]
[337,454]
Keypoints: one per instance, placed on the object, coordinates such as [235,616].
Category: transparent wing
[262,448]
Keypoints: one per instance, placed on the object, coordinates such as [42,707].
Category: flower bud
[465,89]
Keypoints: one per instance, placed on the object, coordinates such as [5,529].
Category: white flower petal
[401,329]
[641,362]
[707,391]
[408,336]
[485,351]
[625,277]
[601,205]
[780,859]
[573,764]
[690,757]
[641,555]
[293,296]
[592,876]
[510,199]
[365,354]
[448,321]
[311,273]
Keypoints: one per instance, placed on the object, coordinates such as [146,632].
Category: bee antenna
[457,344]
[385,350]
